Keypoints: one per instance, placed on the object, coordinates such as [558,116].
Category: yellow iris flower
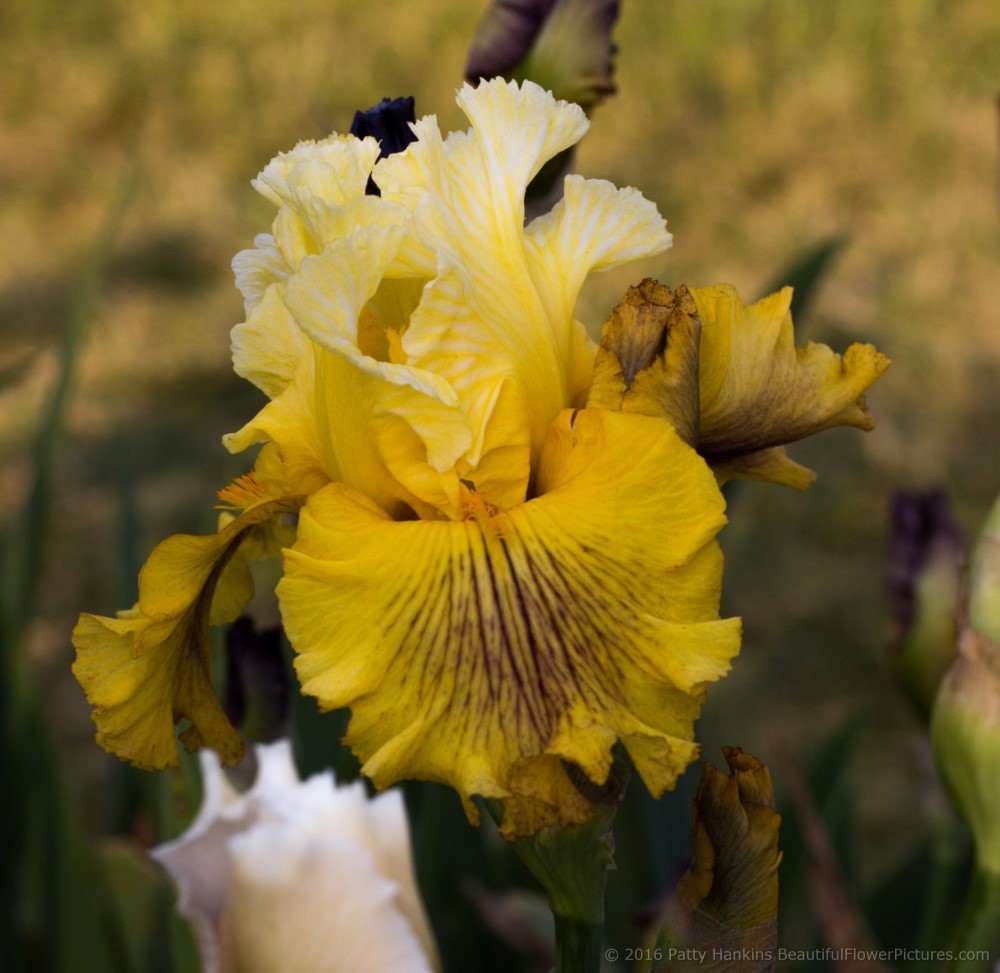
[496,574]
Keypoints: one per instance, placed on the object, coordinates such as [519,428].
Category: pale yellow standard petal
[326,346]
[595,226]
[388,428]
[320,191]
[269,347]
[759,391]
[335,169]
[497,322]
[483,653]
[258,268]
[148,668]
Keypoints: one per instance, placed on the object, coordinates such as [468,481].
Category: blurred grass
[763,130]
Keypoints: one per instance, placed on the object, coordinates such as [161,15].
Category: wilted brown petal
[648,358]
[724,913]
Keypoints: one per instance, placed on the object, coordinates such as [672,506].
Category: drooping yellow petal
[759,391]
[147,669]
[482,653]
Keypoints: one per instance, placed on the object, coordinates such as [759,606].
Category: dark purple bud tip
[389,123]
[922,529]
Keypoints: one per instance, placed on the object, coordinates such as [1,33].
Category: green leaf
[805,272]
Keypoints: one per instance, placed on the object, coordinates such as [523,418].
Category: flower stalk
[965,733]
[978,942]
[572,866]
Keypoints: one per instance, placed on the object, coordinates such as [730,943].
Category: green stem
[578,945]
[572,863]
[949,849]
[978,946]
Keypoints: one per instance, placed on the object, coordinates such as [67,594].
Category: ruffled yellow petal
[319,188]
[257,269]
[387,428]
[516,130]
[594,227]
[497,322]
[481,653]
[454,373]
[147,669]
[269,347]
[335,169]
[758,390]
[492,391]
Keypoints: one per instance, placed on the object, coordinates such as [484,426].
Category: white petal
[314,904]
[198,861]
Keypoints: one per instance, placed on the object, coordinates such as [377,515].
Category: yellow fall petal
[482,652]
[758,390]
[149,668]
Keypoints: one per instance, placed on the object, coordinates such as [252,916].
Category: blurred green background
[767,132]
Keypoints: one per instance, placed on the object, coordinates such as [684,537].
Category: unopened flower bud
[984,579]
[925,576]
[563,45]
[965,732]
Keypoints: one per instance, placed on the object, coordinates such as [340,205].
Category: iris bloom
[496,575]
[299,876]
